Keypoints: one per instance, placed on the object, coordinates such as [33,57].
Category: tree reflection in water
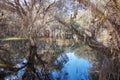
[74,68]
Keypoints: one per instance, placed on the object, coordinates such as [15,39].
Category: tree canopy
[32,29]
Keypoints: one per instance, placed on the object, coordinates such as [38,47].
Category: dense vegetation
[41,30]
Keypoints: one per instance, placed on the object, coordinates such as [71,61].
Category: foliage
[104,16]
[84,20]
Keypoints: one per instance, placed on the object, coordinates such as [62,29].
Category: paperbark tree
[105,15]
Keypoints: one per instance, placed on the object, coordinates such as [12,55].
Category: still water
[76,68]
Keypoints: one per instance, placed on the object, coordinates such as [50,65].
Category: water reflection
[75,69]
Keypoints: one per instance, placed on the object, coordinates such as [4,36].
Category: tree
[27,20]
[30,19]
[105,15]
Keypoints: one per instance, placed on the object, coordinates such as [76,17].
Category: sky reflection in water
[75,69]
